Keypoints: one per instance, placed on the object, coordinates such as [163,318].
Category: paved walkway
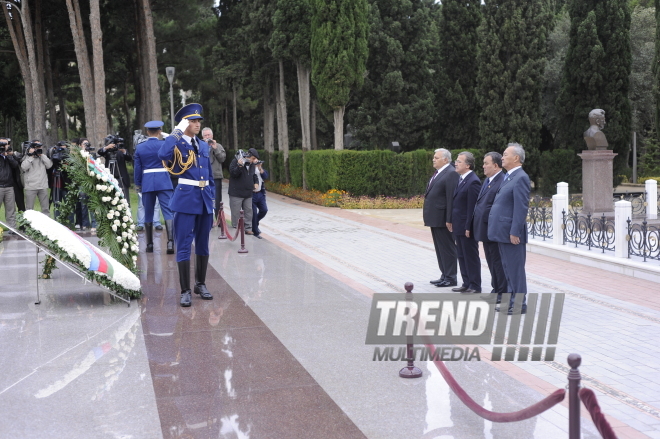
[281,348]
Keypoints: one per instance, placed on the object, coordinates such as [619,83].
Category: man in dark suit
[479,221]
[465,198]
[507,222]
[437,213]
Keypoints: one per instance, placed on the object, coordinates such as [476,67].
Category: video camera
[113,139]
[60,151]
[245,156]
[89,148]
[38,149]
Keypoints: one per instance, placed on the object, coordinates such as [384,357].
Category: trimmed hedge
[560,165]
[371,173]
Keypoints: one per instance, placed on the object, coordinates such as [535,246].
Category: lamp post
[170,77]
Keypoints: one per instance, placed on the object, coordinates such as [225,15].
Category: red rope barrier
[221,218]
[526,413]
[589,400]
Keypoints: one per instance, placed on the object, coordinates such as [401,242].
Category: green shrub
[296,167]
[560,165]
[643,180]
[321,169]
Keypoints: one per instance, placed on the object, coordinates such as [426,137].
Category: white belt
[202,183]
[149,171]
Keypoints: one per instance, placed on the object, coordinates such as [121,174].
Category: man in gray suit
[479,221]
[437,215]
[507,223]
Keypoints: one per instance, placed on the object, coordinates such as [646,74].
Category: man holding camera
[7,166]
[59,177]
[34,165]
[241,187]
[115,156]
[218,156]
[193,199]
[259,206]
[153,181]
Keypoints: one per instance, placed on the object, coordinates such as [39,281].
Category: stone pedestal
[597,181]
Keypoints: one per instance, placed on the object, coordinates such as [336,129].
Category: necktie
[432,178]
[484,186]
[194,144]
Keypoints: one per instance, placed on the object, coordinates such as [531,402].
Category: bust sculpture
[594,137]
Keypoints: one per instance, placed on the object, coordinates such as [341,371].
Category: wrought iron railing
[585,230]
[539,218]
[643,240]
[637,199]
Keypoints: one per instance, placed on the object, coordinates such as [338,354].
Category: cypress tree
[397,101]
[596,75]
[656,66]
[458,109]
[512,45]
[339,54]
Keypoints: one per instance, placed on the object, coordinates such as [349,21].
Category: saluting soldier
[153,181]
[192,202]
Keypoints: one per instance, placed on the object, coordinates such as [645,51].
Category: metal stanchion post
[220,223]
[410,371]
[241,226]
[574,378]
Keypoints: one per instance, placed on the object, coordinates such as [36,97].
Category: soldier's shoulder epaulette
[178,134]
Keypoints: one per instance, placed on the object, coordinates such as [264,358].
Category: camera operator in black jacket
[59,178]
[7,166]
[115,156]
[241,185]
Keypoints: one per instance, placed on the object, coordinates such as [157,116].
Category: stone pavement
[280,352]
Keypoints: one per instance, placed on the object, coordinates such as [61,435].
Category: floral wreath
[90,260]
[115,229]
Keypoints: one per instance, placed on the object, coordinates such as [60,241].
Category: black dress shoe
[470,291]
[437,281]
[511,312]
[459,289]
[203,292]
[186,300]
[258,236]
[159,227]
[446,284]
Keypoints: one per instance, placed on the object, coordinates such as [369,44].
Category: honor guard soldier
[153,181]
[192,202]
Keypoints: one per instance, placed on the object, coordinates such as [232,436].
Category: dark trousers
[218,195]
[189,227]
[467,250]
[19,197]
[149,203]
[445,250]
[259,210]
[513,262]
[497,277]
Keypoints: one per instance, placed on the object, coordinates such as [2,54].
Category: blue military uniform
[192,201]
[153,178]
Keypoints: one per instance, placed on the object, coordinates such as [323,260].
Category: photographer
[241,185]
[7,166]
[115,156]
[35,165]
[19,197]
[82,211]
[218,156]
[259,207]
[59,178]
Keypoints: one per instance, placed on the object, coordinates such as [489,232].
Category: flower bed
[67,245]
[106,199]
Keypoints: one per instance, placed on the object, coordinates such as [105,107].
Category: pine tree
[656,65]
[650,161]
[339,54]
[458,109]
[512,45]
[596,75]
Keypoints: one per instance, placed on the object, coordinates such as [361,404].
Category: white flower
[117,223]
[110,215]
[114,228]
[132,227]
[105,179]
[84,153]
[98,177]
[134,248]
[118,238]
[123,251]
[91,174]
[98,186]
[125,244]
[124,235]
[123,225]
[108,189]
[117,214]
[134,258]
[114,202]
[125,219]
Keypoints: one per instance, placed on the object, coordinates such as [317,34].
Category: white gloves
[183,125]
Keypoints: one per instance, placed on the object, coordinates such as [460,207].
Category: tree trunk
[269,127]
[149,43]
[64,119]
[303,98]
[84,69]
[140,77]
[15,31]
[235,121]
[282,126]
[50,93]
[99,73]
[312,123]
[225,123]
[127,111]
[41,87]
[339,127]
